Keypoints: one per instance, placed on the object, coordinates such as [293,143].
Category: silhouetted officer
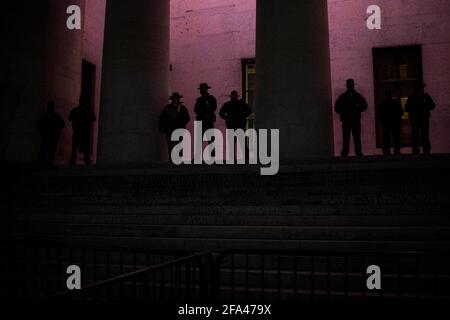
[82,119]
[235,112]
[205,107]
[205,110]
[419,107]
[390,112]
[50,126]
[174,116]
[349,106]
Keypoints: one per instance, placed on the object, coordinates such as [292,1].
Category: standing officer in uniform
[235,113]
[419,107]
[174,116]
[391,113]
[50,126]
[205,108]
[349,106]
[82,118]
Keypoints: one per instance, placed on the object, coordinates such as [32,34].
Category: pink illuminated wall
[94,25]
[412,22]
[64,67]
[209,39]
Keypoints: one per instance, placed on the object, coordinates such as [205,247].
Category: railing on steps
[187,278]
[270,275]
[277,275]
[39,269]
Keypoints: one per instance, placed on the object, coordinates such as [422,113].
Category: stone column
[293,86]
[135,81]
[64,59]
[42,61]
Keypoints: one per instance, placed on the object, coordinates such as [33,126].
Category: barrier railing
[186,278]
[295,275]
[242,275]
[38,269]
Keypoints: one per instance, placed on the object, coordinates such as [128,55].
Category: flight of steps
[368,204]
[384,205]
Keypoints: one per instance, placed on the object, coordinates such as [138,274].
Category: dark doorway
[399,68]
[248,80]
[88,90]
[248,86]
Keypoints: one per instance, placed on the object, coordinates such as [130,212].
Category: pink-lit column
[43,60]
[63,68]
[135,81]
[293,86]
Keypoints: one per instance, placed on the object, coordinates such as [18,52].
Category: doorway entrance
[88,92]
[248,87]
[398,68]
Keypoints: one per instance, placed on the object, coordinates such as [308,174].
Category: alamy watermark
[252,147]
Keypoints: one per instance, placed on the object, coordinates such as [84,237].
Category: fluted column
[135,80]
[293,87]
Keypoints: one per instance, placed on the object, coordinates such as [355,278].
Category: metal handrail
[335,253]
[133,275]
[314,256]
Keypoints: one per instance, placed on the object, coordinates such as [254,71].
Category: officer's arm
[223,112]
[338,105]
[197,107]
[431,104]
[187,116]
[364,104]
[214,104]
[62,124]
[248,110]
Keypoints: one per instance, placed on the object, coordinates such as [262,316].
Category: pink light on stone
[209,39]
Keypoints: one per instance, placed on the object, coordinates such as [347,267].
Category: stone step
[242,210]
[239,219]
[217,244]
[249,198]
[356,233]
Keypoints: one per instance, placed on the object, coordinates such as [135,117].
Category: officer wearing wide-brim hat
[175,96]
[235,112]
[204,86]
[205,107]
[174,116]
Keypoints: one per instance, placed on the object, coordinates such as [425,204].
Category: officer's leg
[356,131]
[51,152]
[86,145]
[346,130]
[386,139]
[426,136]
[415,129]
[75,144]
[213,139]
[168,135]
[206,127]
[43,153]
[397,135]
